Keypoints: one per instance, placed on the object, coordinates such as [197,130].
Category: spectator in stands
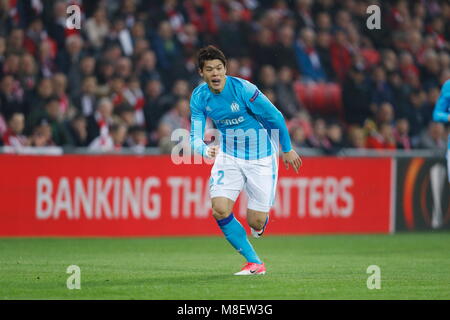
[46,59]
[28,73]
[318,138]
[11,99]
[141,45]
[303,14]
[36,33]
[137,139]
[407,66]
[59,82]
[298,137]
[434,137]
[303,119]
[284,48]
[54,116]
[384,114]
[37,99]
[389,60]
[383,138]
[178,116]
[98,123]
[113,141]
[341,57]
[323,51]
[69,60]
[323,22]
[16,41]
[14,135]
[381,91]
[429,74]
[235,31]
[97,28]
[267,77]
[418,115]
[161,139]
[77,129]
[56,24]
[146,67]
[308,58]
[263,50]
[401,134]
[153,109]
[123,68]
[335,137]
[87,67]
[119,37]
[12,65]
[104,74]
[167,49]
[356,137]
[42,134]
[287,101]
[85,102]
[399,93]
[356,97]
[180,90]
[126,115]
[444,60]
[233,66]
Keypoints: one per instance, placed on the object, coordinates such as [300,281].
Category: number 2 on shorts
[221,174]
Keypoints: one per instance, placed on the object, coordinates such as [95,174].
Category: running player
[247,157]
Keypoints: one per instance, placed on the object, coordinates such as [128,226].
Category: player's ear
[200,72]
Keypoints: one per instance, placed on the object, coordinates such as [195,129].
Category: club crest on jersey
[208,108]
[234,107]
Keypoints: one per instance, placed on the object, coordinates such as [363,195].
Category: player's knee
[257,222]
[220,212]
[257,225]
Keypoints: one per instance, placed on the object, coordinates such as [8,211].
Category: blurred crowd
[124,78]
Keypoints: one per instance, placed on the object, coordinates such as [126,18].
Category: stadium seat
[320,98]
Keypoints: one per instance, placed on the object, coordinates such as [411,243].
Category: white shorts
[230,175]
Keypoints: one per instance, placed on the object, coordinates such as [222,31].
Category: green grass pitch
[413,266]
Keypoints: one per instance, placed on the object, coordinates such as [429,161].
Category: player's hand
[293,159]
[212,151]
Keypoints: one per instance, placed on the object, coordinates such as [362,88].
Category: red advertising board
[82,195]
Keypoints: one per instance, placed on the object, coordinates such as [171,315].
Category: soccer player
[247,157]
[442,114]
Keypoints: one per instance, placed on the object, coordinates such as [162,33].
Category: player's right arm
[441,113]
[198,123]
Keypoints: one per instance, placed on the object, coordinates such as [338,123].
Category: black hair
[209,53]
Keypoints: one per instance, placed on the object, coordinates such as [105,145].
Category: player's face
[213,73]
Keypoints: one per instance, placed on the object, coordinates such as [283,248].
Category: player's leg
[257,220]
[232,229]
[261,184]
[226,183]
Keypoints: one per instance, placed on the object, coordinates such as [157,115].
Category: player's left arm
[261,106]
[440,113]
